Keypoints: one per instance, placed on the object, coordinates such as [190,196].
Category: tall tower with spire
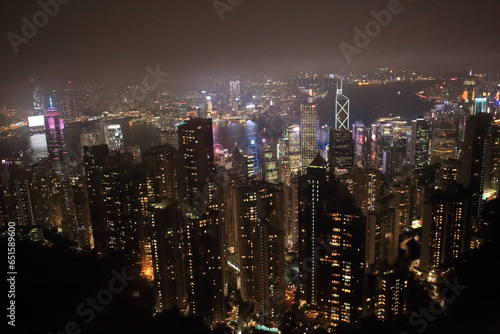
[54,133]
[341,109]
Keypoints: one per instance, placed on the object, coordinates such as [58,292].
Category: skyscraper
[262,262]
[114,138]
[332,245]
[166,230]
[446,228]
[341,152]
[197,155]
[341,109]
[444,136]
[420,135]
[54,132]
[308,134]
[475,159]
[202,228]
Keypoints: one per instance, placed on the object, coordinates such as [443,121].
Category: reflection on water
[143,134]
[232,134]
[367,103]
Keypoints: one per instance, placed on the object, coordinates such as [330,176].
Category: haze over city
[250,166]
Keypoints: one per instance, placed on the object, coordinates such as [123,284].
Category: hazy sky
[117,39]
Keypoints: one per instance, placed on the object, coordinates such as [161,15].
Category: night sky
[91,40]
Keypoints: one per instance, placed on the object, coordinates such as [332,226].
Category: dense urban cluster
[313,223]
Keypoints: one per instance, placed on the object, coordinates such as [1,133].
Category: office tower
[201,219]
[469,93]
[294,148]
[332,245]
[234,93]
[208,107]
[475,160]
[166,242]
[269,161]
[54,133]
[382,135]
[341,109]
[391,294]
[323,141]
[445,134]
[253,160]
[234,88]
[239,166]
[446,228]
[420,136]
[480,105]
[262,246]
[361,136]
[114,138]
[308,134]
[341,152]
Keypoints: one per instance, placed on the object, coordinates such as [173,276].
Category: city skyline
[237,167]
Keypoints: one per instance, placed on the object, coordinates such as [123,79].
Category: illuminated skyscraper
[196,146]
[445,135]
[54,133]
[168,255]
[114,138]
[420,135]
[341,152]
[341,109]
[308,134]
[294,148]
[446,228]
[476,159]
[331,244]
[162,160]
[201,220]
[391,294]
[447,175]
[234,93]
[269,161]
[493,183]
[262,246]
[360,134]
